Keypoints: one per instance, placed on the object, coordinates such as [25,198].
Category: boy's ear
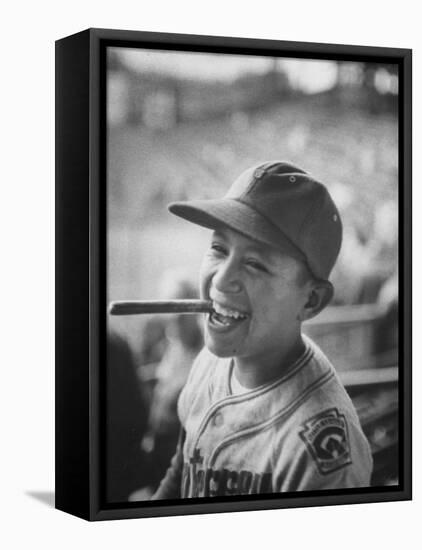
[319,296]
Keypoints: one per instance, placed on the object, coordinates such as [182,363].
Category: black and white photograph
[210,268]
[252,276]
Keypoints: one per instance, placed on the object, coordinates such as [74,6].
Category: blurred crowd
[367,269]
[169,346]
[369,254]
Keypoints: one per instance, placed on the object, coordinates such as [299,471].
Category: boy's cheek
[203,293]
[204,289]
[205,277]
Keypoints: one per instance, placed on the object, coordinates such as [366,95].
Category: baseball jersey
[299,432]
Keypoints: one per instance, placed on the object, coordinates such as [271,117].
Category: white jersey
[300,432]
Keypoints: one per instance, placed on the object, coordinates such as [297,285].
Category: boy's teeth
[227,312]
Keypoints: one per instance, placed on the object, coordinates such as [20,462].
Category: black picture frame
[81,308]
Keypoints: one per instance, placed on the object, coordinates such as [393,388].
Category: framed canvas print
[233,229]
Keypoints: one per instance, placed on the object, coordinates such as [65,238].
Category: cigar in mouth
[139,307]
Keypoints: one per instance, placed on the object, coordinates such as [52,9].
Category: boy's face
[258,296]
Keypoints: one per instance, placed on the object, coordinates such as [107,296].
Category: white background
[29,30]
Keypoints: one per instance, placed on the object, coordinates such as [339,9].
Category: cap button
[292,179]
[259,172]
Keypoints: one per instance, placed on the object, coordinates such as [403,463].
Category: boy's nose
[226,279]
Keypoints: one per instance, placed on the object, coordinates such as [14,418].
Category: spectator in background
[183,340]
[382,250]
[125,421]
[366,261]
[387,335]
[354,260]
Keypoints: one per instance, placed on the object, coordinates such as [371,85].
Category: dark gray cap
[279,204]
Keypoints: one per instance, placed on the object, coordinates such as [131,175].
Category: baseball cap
[279,204]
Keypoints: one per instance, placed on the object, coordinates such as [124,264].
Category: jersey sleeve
[327,451]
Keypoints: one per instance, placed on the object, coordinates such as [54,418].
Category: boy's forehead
[237,238]
[245,242]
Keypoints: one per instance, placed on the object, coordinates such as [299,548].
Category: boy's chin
[218,349]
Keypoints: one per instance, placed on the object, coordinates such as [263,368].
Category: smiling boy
[263,410]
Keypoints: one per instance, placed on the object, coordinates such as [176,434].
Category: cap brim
[238,216]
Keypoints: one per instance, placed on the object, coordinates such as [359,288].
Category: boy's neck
[252,373]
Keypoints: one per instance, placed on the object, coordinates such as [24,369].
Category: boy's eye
[257,265]
[217,248]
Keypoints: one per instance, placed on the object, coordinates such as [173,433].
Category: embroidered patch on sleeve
[327,439]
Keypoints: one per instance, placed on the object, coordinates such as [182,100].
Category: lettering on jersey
[327,439]
[200,482]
